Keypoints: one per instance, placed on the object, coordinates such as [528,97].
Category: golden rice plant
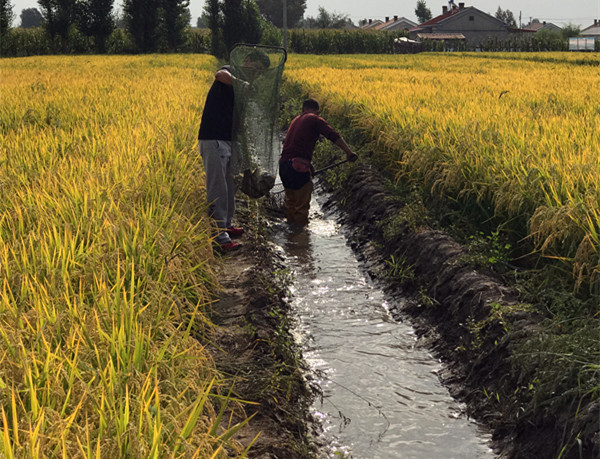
[543,56]
[105,260]
[519,134]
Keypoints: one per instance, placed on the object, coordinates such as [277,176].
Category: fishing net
[275,200]
[257,72]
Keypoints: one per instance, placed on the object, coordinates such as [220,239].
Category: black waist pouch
[290,177]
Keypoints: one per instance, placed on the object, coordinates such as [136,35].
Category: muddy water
[381,396]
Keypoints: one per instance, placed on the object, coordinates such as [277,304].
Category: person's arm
[350,155]
[328,132]
[224,76]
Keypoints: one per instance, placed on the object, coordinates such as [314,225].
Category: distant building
[370,23]
[592,31]
[466,24]
[536,25]
[396,24]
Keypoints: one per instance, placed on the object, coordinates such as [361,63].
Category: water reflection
[297,246]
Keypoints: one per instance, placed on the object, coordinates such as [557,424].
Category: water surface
[382,397]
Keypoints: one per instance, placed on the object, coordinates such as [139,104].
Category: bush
[20,42]
[198,41]
[547,41]
[78,43]
[120,42]
[333,41]
[35,41]
[271,36]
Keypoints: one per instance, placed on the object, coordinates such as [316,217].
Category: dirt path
[252,347]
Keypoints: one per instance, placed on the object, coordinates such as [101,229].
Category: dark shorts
[291,178]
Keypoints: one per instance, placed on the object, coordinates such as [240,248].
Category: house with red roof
[465,24]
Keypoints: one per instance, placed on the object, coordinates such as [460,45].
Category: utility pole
[285,24]
[520,23]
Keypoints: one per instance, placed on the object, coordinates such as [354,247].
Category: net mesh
[257,71]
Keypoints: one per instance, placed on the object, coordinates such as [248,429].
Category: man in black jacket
[216,145]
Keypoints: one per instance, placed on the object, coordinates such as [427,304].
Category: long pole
[285,24]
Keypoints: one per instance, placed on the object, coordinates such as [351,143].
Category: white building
[592,31]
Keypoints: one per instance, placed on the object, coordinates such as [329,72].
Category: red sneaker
[235,231]
[229,246]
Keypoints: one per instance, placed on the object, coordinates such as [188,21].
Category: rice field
[505,130]
[105,260]
[105,250]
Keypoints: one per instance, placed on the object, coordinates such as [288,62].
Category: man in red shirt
[295,168]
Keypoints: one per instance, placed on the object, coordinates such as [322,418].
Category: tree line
[146,26]
[70,25]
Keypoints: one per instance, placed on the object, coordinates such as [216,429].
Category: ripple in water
[381,396]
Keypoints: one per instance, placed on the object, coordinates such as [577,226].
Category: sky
[560,12]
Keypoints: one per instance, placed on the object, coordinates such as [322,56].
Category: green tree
[252,26]
[6,16]
[95,19]
[549,40]
[202,21]
[570,30]
[142,19]
[59,18]
[174,22]
[31,17]
[272,11]
[326,20]
[422,12]
[214,21]
[507,17]
[233,20]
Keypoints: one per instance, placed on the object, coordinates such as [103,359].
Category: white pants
[220,187]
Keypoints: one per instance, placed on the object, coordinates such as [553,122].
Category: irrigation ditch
[469,318]
[472,320]
[476,322]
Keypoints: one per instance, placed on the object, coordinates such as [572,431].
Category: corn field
[520,133]
[105,260]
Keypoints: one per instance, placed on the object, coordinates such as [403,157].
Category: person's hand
[242,83]
[351,157]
